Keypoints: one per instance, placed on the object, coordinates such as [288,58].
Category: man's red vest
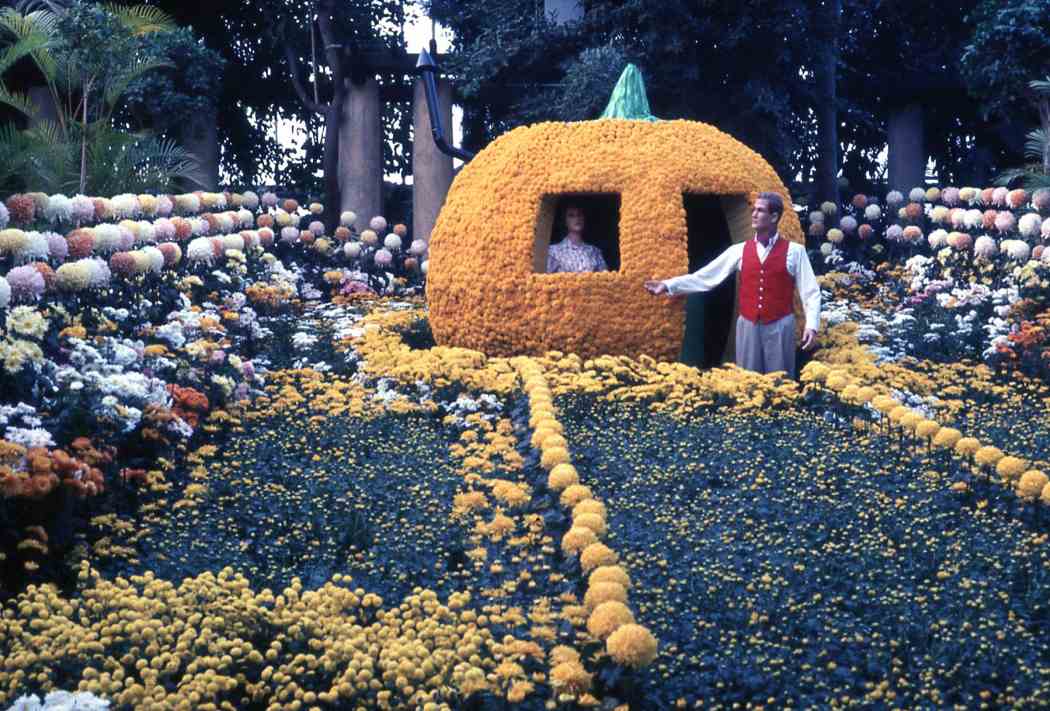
[767,289]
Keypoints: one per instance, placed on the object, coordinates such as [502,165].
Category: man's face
[762,220]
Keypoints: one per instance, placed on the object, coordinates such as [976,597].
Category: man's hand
[809,339]
[656,287]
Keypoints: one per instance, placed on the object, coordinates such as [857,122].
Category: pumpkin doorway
[708,316]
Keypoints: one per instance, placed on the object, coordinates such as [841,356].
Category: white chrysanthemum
[417,248]
[973,219]
[816,217]
[5,293]
[317,227]
[872,212]
[36,247]
[938,239]
[289,234]
[5,216]
[245,218]
[848,224]
[250,200]
[1045,231]
[198,226]
[146,234]
[59,208]
[826,248]
[352,250]
[232,242]
[125,205]
[100,274]
[378,223]
[894,199]
[1045,256]
[894,233]
[165,206]
[220,201]
[156,258]
[1017,249]
[199,250]
[392,242]
[316,208]
[1030,224]
[269,199]
[917,195]
[425,266]
[347,218]
[939,214]
[107,237]
[985,246]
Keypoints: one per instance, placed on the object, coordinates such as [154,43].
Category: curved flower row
[1030,484]
[610,619]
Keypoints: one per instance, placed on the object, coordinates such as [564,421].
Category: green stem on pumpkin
[628,99]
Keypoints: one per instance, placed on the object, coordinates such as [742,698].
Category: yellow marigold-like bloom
[910,420]
[1010,468]
[967,446]
[553,456]
[561,653]
[589,506]
[632,646]
[554,441]
[884,403]
[518,692]
[607,618]
[592,521]
[927,428]
[988,456]
[947,437]
[814,372]
[837,381]
[603,592]
[541,433]
[897,413]
[1045,496]
[597,554]
[570,678]
[562,476]
[576,539]
[575,494]
[610,574]
[1031,484]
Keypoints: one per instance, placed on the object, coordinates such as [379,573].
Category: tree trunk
[906,157]
[200,137]
[826,184]
[431,169]
[333,127]
[361,153]
[83,141]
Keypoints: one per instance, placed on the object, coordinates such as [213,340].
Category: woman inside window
[572,254]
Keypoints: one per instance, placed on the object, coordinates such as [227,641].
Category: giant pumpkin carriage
[678,192]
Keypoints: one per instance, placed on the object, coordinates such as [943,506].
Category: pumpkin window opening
[713,222]
[601,225]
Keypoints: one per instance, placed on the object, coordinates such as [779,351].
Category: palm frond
[1036,143]
[18,101]
[142,19]
[117,85]
[1040,86]
[36,31]
[23,47]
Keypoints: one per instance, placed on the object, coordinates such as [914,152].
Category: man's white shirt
[729,261]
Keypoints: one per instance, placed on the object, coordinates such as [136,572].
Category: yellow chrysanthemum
[967,446]
[592,521]
[607,618]
[562,476]
[576,539]
[1031,484]
[927,428]
[575,494]
[589,506]
[1011,468]
[570,678]
[947,437]
[632,646]
[603,592]
[553,456]
[560,654]
[597,554]
[554,441]
[610,574]
[988,456]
